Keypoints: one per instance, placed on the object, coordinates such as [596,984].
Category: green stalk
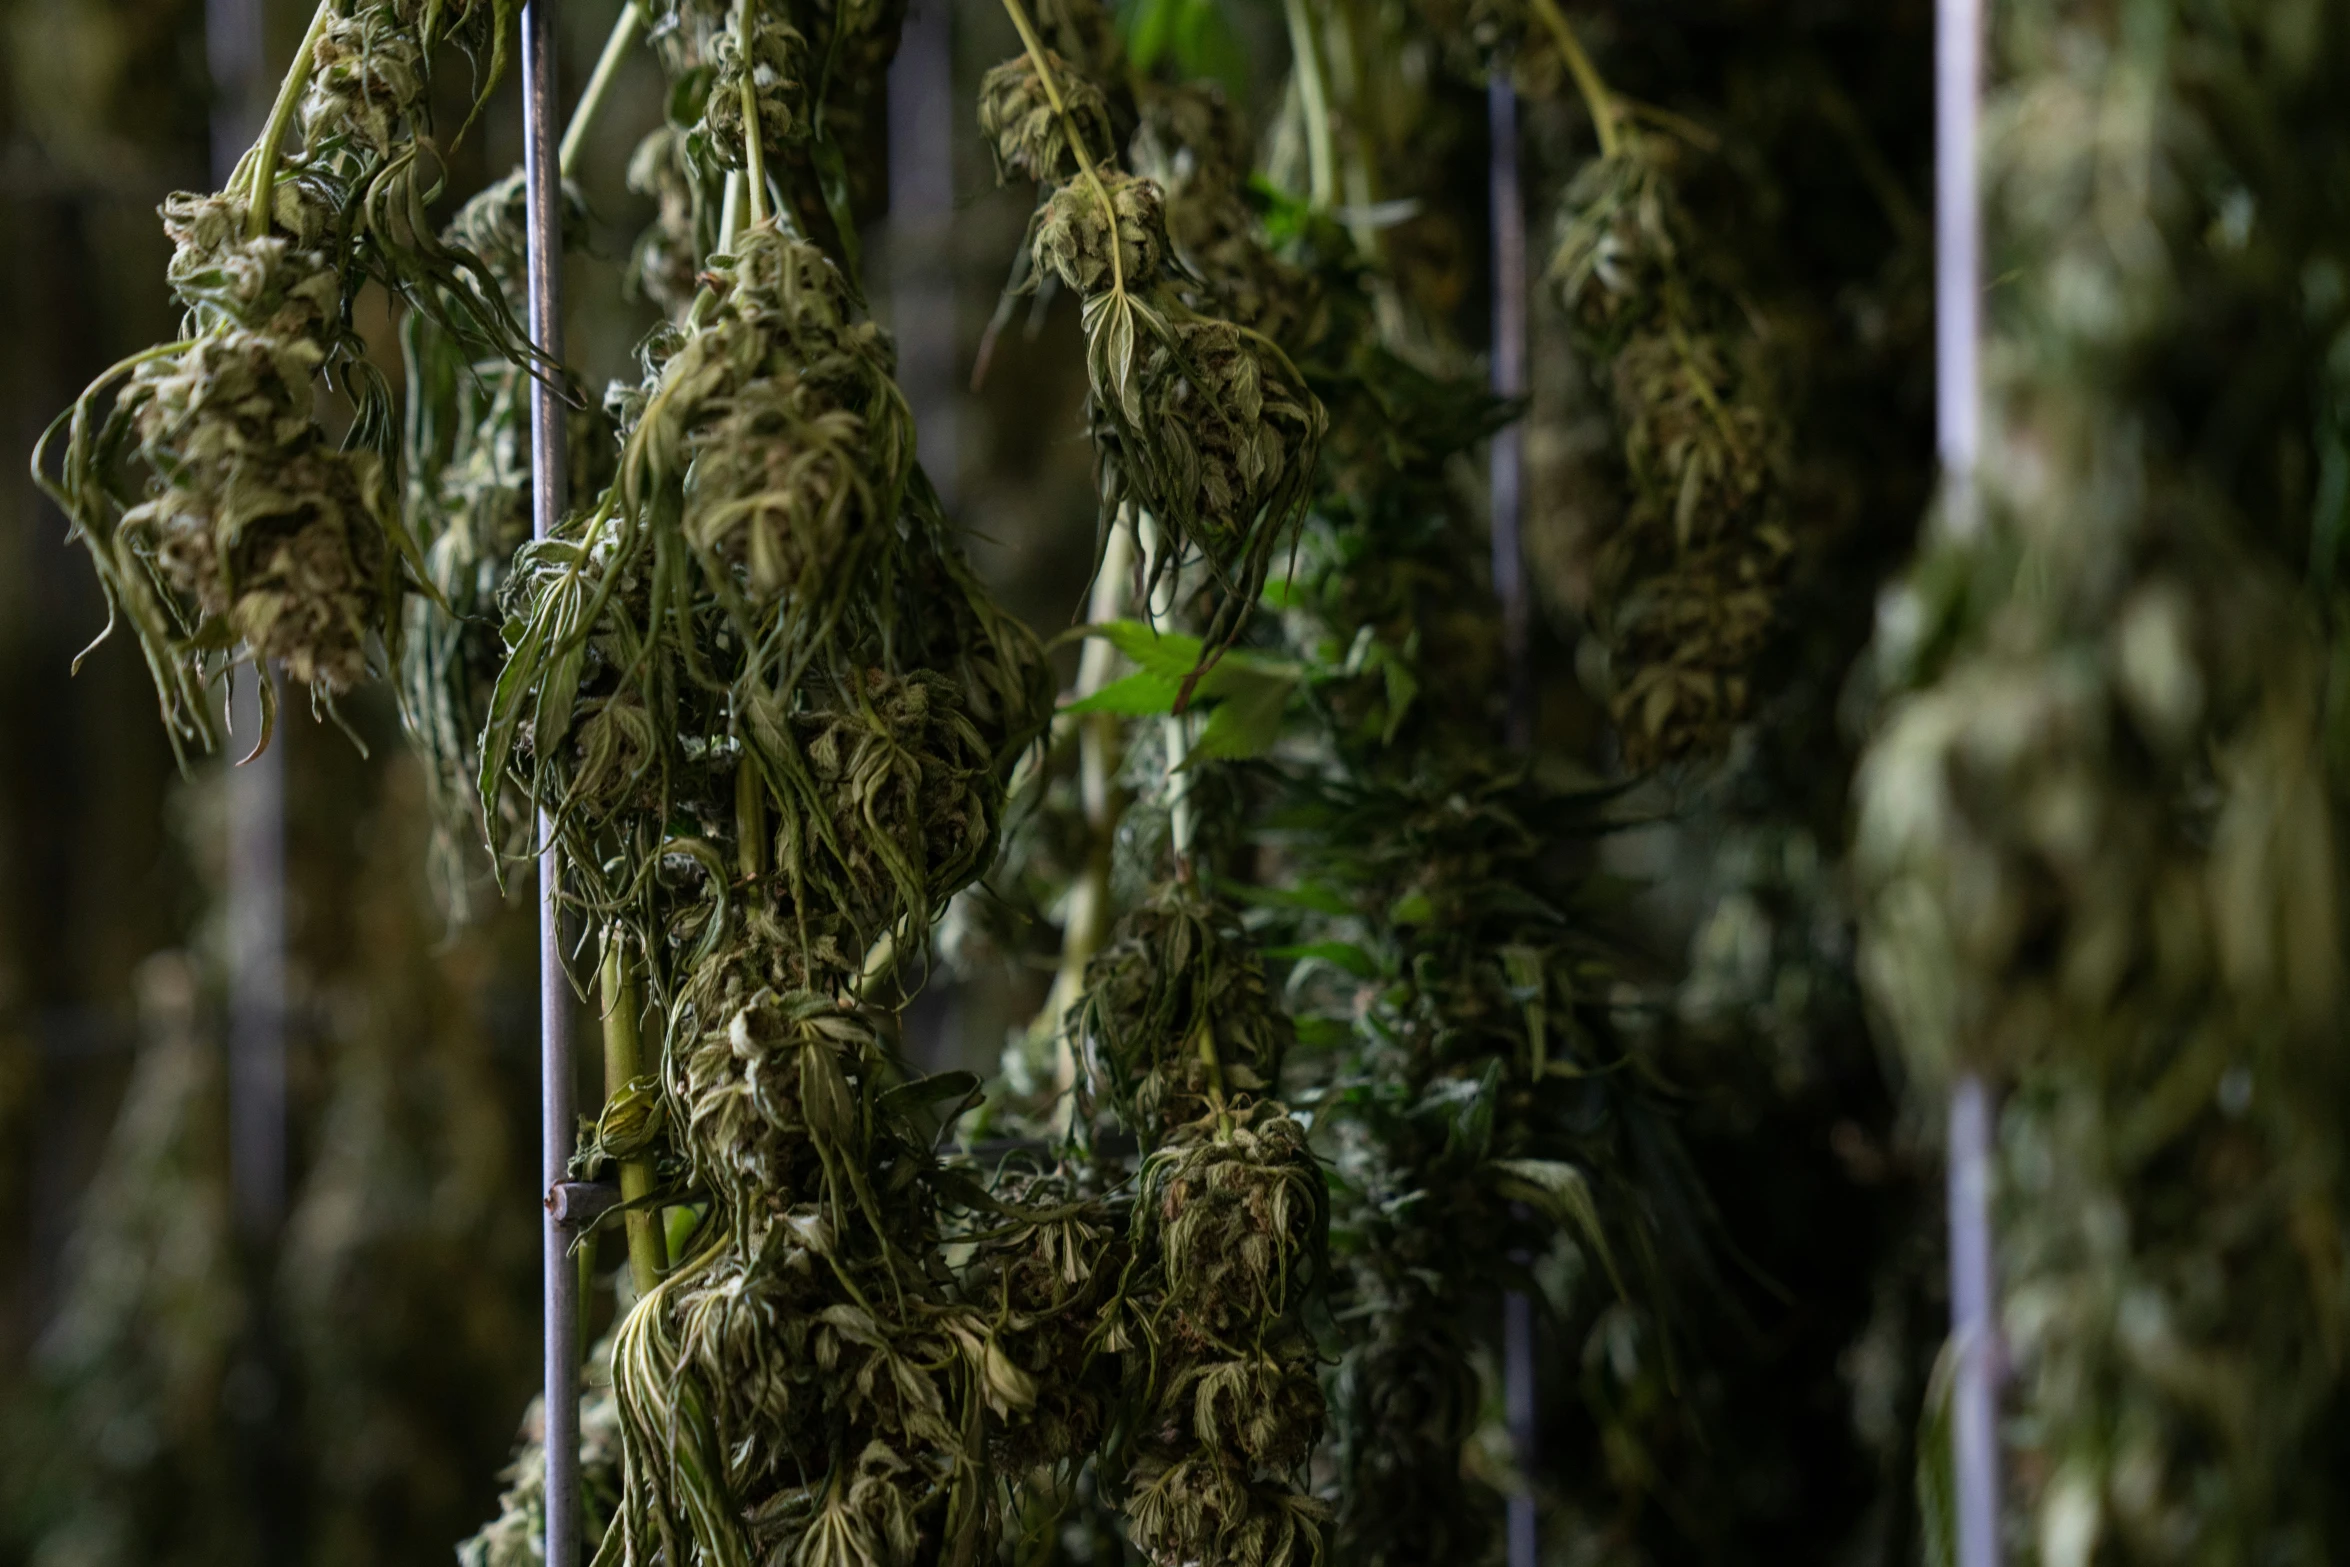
[622,1062]
[1052,92]
[1321,161]
[1596,98]
[263,198]
[1176,731]
[1213,1063]
[583,114]
[750,821]
[754,154]
[1088,922]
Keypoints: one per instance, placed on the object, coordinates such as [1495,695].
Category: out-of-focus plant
[2097,828]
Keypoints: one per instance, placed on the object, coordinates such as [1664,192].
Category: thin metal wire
[1506,476]
[542,177]
[1958,292]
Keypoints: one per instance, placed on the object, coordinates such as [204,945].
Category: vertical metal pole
[234,54]
[1958,253]
[541,174]
[1506,475]
[1958,289]
[1975,1400]
[921,214]
[1509,380]
[1518,1407]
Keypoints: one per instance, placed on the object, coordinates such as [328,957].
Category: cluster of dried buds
[770,714]
[1182,1031]
[226,525]
[1688,578]
[1199,422]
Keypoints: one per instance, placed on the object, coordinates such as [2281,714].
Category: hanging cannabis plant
[465,454]
[1688,578]
[769,714]
[225,525]
[1197,421]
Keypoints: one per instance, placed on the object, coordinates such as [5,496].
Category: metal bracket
[581,1203]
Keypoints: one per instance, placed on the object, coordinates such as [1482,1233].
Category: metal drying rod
[1958,392]
[542,177]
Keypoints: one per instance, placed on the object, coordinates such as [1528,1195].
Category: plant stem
[1052,92]
[1213,1064]
[263,198]
[1321,161]
[622,1062]
[754,151]
[1176,732]
[1177,728]
[750,821]
[881,960]
[1088,922]
[1596,96]
[591,99]
[730,222]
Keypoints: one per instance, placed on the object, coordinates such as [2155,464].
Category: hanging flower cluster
[769,714]
[226,526]
[1181,1028]
[1199,422]
[1690,575]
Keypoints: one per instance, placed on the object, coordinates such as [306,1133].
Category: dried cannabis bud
[774,65]
[1032,139]
[1235,1214]
[225,528]
[1228,1224]
[1176,1014]
[1688,580]
[1203,425]
[1073,234]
